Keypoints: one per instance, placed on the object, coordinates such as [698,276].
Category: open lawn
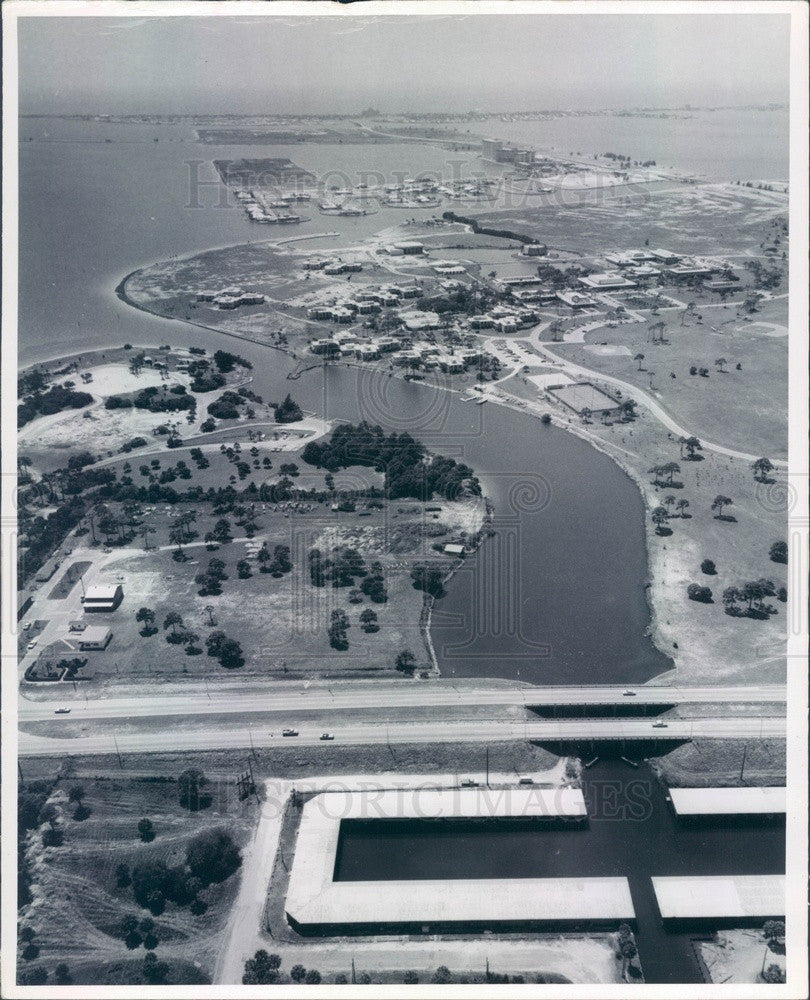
[743,409]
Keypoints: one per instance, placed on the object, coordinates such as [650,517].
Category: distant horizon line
[766,105]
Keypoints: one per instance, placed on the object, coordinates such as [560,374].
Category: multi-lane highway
[243,735]
[404,694]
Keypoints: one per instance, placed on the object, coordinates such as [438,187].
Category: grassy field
[77,905]
[742,409]
[717,763]
[281,623]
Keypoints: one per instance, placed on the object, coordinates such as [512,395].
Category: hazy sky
[273,64]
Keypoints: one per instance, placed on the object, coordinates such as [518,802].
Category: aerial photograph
[404,574]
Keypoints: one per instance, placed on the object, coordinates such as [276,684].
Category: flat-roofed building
[719,900]
[410,247]
[95,637]
[666,256]
[575,300]
[607,280]
[746,801]
[317,903]
[103,597]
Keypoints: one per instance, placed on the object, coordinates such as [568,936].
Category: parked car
[289,732]
[32,643]
[27,626]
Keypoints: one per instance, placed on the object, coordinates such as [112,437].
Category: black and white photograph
[404,499]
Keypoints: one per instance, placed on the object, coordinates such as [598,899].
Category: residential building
[103,597]
[95,637]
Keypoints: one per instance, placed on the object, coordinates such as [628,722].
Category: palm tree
[681,505]
[639,358]
[720,364]
[719,503]
[669,501]
[145,531]
[172,619]
[670,469]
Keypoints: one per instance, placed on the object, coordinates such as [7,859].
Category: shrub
[212,856]
[708,567]
[779,552]
[697,593]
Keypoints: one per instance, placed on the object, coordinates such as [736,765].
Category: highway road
[384,696]
[175,738]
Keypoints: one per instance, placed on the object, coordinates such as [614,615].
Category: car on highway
[32,643]
[289,732]
[628,693]
[62,711]
[327,736]
[659,725]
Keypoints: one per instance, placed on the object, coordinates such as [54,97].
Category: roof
[314,898]
[720,896]
[725,801]
[94,633]
[102,592]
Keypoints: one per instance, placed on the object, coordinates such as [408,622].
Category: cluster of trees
[400,457]
[339,568]
[227,406]
[156,400]
[338,624]
[226,362]
[210,580]
[276,564]
[751,595]
[183,637]
[54,400]
[227,651]
[429,577]
[697,592]
[263,969]
[211,857]
[139,932]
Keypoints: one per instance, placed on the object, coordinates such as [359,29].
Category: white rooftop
[727,801]
[101,592]
[314,898]
[720,896]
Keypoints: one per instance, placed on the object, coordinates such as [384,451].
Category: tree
[368,619]
[681,506]
[243,569]
[720,364]
[122,879]
[669,470]
[778,552]
[659,516]
[230,654]
[410,978]
[695,592]
[692,444]
[639,358]
[262,969]
[773,974]
[586,414]
[708,567]
[172,620]
[719,503]
[441,975]
[147,616]
[153,970]
[298,973]
[222,530]
[36,975]
[405,662]
[76,794]
[338,623]
[761,468]
[313,977]
[62,975]
[213,856]
[773,930]
[146,830]
[731,595]
[189,785]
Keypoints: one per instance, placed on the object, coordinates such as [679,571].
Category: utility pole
[354,973]
[487,767]
[742,767]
